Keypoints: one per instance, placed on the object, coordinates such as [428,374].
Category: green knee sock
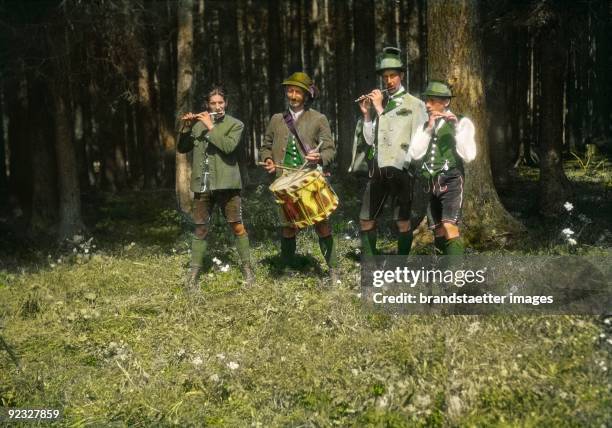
[242,246]
[329,250]
[454,247]
[368,242]
[404,243]
[287,250]
[198,252]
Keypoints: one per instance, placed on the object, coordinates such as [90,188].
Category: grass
[108,336]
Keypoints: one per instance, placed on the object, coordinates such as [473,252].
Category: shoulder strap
[291,125]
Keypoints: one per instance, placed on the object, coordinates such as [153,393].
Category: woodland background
[90,91]
[98,327]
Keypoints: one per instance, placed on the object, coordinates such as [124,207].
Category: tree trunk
[455,55]
[364,58]
[44,171]
[20,161]
[3,176]
[166,114]
[184,101]
[68,177]
[147,134]
[415,46]
[554,186]
[275,57]
[344,88]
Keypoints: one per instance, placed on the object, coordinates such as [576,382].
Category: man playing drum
[215,179]
[388,124]
[300,135]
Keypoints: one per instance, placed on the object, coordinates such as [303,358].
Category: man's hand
[364,106]
[205,118]
[313,157]
[269,166]
[377,99]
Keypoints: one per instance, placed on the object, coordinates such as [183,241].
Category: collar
[296,115]
[400,93]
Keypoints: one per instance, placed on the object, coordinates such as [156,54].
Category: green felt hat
[301,80]
[391,59]
[436,88]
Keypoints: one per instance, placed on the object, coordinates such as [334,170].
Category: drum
[305,197]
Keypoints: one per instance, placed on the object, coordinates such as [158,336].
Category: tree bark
[20,161]
[275,57]
[44,171]
[364,58]
[554,186]
[455,55]
[184,98]
[70,197]
[344,88]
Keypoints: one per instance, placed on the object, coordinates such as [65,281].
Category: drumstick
[278,166]
[315,150]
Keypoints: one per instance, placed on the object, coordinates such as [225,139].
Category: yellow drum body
[305,197]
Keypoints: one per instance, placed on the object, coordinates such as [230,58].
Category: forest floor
[102,330]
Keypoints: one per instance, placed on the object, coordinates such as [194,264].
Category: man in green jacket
[215,179]
[285,147]
[384,135]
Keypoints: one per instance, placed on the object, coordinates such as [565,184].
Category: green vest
[442,152]
[293,158]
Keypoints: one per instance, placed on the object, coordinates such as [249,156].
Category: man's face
[392,80]
[216,104]
[436,104]
[295,96]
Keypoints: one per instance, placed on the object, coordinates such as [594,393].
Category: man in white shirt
[385,132]
[445,142]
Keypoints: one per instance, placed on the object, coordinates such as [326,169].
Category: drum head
[290,179]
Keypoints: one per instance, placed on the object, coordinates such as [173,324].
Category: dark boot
[328,249]
[288,252]
[404,243]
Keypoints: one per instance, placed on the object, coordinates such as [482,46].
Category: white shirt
[464,137]
[368,127]
[296,115]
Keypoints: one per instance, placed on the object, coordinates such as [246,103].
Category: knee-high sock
[287,250]
[454,247]
[404,243]
[328,248]
[198,251]
[368,242]
[242,246]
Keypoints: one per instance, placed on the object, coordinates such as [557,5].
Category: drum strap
[291,125]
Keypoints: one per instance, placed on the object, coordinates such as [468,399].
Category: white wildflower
[602,335]
[214,378]
[568,206]
[221,356]
[609,341]
[224,268]
[232,365]
[571,241]
[86,250]
[608,321]
[347,237]
[216,261]
[567,232]
[197,361]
